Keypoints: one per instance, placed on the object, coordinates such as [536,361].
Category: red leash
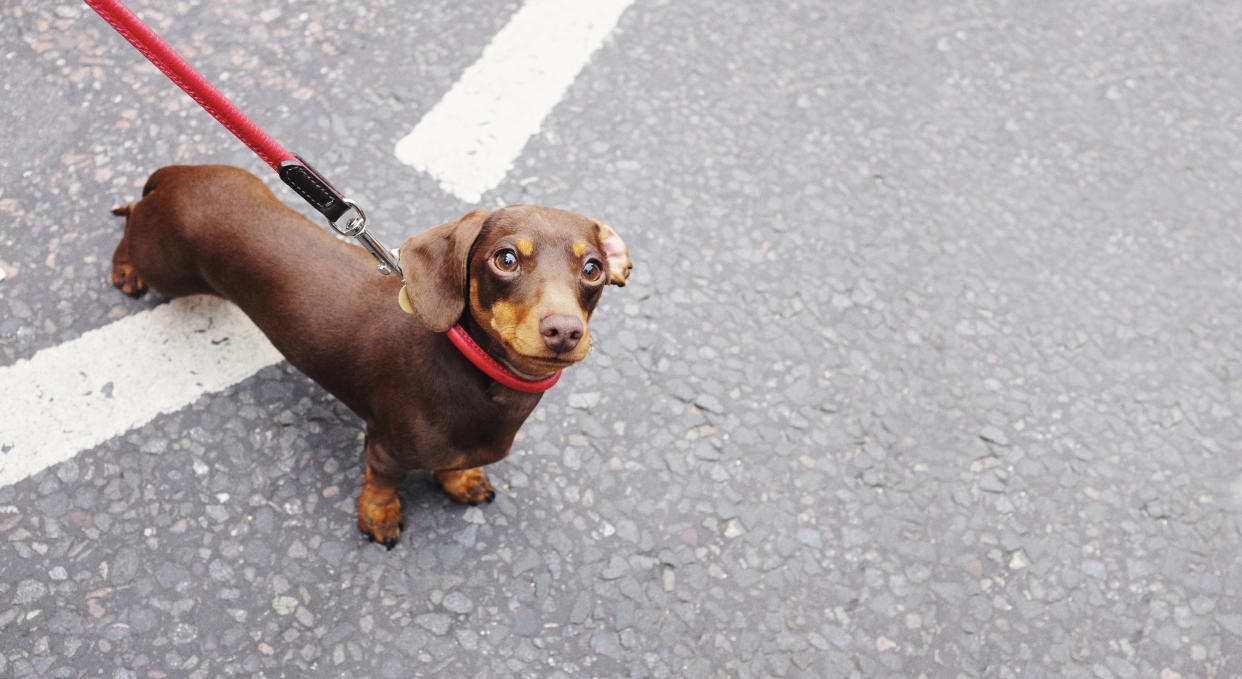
[183,74]
[294,171]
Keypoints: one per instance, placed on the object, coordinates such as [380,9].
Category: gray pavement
[930,364]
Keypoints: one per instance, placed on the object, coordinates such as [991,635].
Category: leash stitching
[166,68]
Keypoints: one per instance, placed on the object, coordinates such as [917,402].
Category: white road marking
[73,397]
[469,140]
[76,395]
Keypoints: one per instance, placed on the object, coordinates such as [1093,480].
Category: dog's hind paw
[126,279]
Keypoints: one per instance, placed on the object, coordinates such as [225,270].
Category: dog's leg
[466,486]
[379,510]
[124,275]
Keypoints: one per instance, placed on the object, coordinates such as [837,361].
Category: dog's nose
[560,333]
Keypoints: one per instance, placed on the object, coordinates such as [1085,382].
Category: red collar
[475,354]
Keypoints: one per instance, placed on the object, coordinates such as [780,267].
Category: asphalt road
[930,364]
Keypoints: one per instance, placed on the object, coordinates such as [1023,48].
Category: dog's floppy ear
[434,264]
[616,254]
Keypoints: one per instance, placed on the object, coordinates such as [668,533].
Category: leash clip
[356,227]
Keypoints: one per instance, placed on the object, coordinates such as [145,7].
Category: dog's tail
[125,210]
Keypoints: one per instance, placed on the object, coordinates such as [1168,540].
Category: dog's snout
[560,333]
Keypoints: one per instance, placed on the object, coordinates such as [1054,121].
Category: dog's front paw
[379,516]
[467,486]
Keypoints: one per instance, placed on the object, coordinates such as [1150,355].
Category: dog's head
[529,277]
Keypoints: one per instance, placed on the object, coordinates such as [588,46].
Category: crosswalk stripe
[76,395]
[469,140]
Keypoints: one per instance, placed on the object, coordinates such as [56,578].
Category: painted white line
[469,140]
[76,395]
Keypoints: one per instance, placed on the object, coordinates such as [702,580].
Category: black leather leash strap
[313,188]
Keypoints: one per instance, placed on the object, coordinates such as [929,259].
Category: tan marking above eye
[524,246]
[580,249]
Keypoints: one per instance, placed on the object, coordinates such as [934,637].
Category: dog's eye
[506,260]
[592,270]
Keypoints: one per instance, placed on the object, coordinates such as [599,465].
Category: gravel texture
[930,364]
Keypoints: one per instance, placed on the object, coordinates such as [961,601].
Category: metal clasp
[356,227]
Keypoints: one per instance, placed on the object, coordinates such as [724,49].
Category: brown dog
[522,281]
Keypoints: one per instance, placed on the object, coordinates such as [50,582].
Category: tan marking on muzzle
[504,318]
[562,300]
[506,323]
